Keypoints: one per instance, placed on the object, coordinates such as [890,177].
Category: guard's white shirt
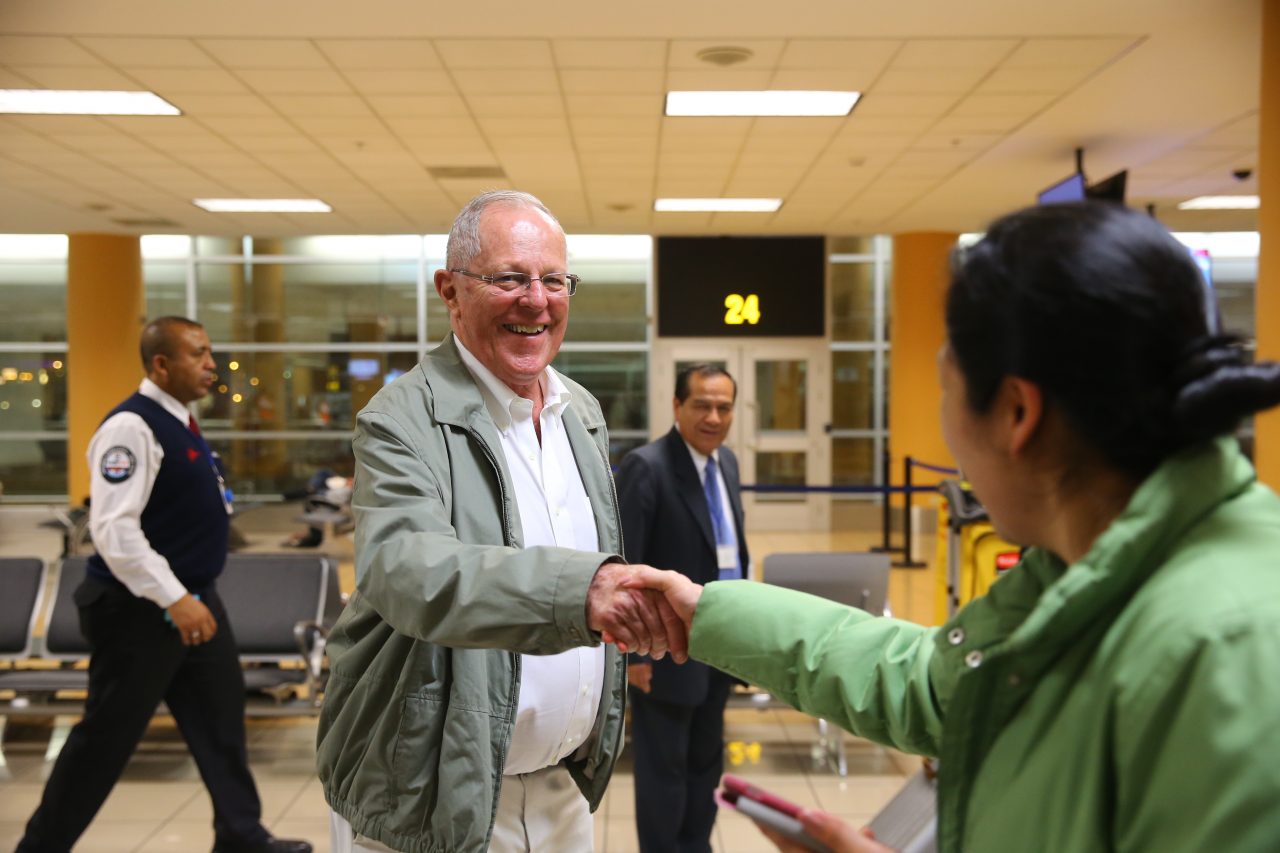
[115,508]
[559,694]
[700,462]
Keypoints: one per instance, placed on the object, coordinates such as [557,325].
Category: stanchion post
[908,493]
[886,505]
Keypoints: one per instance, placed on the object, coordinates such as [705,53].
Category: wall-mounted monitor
[1070,188]
[1110,189]
[741,287]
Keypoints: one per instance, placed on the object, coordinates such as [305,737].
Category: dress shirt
[115,509]
[559,694]
[700,462]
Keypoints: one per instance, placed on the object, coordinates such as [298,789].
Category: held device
[766,809]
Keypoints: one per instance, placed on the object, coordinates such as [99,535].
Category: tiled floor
[160,804]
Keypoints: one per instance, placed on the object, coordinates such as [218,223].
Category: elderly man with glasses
[471,705]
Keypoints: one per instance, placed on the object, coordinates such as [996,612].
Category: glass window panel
[166,289]
[33,391]
[268,302]
[610,303]
[33,301]
[345,247]
[785,468]
[620,447]
[272,391]
[853,462]
[265,466]
[853,306]
[850,245]
[782,394]
[619,380]
[35,467]
[219,246]
[852,390]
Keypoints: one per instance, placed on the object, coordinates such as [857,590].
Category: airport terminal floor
[161,805]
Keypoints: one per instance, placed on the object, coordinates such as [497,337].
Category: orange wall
[917,330]
[105,315]
[1267,305]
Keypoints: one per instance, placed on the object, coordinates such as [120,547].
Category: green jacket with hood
[1129,701]
[425,673]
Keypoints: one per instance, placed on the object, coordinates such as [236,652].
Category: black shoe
[271,845]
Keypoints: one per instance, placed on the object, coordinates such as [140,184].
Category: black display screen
[750,287]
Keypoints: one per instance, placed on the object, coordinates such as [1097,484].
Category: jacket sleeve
[425,583]
[1195,752]
[867,674]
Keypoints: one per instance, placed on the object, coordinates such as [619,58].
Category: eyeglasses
[552,282]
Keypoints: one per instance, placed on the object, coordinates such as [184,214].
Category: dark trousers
[678,752]
[137,660]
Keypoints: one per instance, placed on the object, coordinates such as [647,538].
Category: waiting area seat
[280,606]
[858,579]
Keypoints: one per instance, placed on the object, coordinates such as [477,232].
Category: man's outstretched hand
[636,619]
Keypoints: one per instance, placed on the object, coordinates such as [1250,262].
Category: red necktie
[193,426]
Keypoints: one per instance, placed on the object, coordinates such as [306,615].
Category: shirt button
[955,636]
[973,659]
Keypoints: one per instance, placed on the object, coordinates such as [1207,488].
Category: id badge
[726,556]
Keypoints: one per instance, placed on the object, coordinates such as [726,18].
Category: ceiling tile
[971,142]
[500,55]
[902,105]
[615,105]
[821,80]
[44,50]
[296,106]
[265,53]
[611,81]
[1005,80]
[616,126]
[73,77]
[393,107]
[1014,106]
[147,127]
[268,142]
[341,125]
[450,151]
[443,126]
[716,80]
[105,141]
[203,80]
[610,53]
[149,52]
[401,82]
[867,55]
[807,128]
[948,54]
[10,79]
[233,126]
[859,125]
[527,127]
[191,144]
[616,144]
[59,125]
[490,81]
[380,54]
[1083,52]
[499,106]
[294,80]
[966,125]
[764,54]
[931,82]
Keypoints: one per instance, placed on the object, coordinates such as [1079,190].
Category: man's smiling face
[516,334]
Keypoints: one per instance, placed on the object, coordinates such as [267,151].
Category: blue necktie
[719,522]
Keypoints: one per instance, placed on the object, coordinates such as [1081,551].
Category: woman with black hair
[1119,689]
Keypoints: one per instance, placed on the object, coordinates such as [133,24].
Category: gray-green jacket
[425,672]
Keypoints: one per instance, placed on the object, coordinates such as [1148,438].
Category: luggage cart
[976,555]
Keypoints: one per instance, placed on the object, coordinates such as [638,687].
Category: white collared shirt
[115,506]
[700,462]
[559,694]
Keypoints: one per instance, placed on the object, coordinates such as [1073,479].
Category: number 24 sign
[741,309]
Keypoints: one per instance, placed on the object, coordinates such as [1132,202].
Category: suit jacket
[666,524]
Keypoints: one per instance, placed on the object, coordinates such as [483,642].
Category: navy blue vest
[185,519]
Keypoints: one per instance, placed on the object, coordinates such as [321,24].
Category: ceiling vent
[444,173]
[724,55]
[146,222]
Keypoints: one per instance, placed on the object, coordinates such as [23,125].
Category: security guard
[150,610]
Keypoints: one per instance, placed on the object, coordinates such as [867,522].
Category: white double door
[780,420]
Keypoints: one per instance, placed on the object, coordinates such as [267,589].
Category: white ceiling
[969,109]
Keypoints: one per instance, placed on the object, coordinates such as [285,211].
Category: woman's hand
[840,836]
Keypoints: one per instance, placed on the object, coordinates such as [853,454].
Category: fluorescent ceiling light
[727,205]
[1221,202]
[763,103]
[263,205]
[84,103]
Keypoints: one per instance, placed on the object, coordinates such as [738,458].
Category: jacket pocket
[415,762]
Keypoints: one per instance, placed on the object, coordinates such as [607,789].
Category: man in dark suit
[681,509]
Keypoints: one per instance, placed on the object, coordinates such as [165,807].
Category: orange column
[916,331]
[1267,294]
[105,315]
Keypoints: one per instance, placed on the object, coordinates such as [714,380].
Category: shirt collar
[699,460]
[505,405]
[164,398]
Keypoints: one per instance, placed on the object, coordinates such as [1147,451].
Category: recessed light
[263,205]
[718,205]
[84,103]
[1221,202]
[770,102]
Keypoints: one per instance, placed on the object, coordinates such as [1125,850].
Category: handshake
[642,609]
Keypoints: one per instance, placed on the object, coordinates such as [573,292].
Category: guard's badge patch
[118,464]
